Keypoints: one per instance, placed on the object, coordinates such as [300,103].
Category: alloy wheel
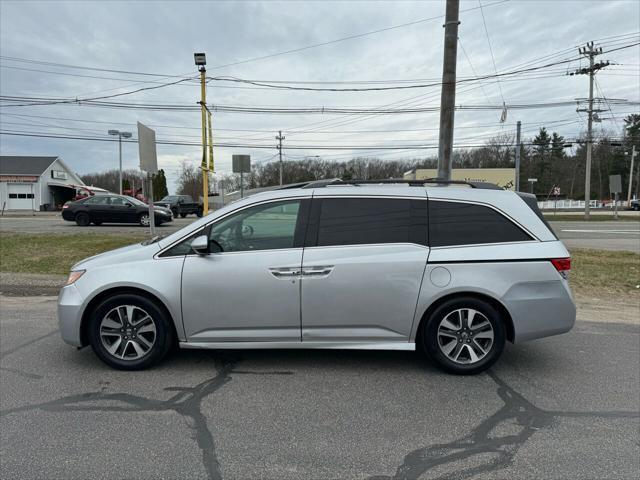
[144,220]
[127,332]
[465,336]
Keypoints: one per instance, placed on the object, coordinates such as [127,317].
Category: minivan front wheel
[129,332]
[464,335]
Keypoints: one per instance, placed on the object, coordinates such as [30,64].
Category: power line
[486,31]
[248,146]
[394,87]
[350,37]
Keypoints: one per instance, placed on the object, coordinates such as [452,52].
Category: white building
[35,183]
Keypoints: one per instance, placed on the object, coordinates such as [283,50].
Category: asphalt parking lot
[606,235]
[563,407]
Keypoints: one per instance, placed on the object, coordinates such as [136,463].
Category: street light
[120,136]
[201,60]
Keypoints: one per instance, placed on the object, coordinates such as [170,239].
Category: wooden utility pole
[518,148]
[633,156]
[448,96]
[590,52]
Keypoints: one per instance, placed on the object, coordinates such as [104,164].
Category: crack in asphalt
[187,403]
[33,376]
[484,439]
[26,344]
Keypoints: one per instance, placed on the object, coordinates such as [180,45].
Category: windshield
[169,198]
[135,201]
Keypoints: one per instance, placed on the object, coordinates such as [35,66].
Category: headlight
[74,276]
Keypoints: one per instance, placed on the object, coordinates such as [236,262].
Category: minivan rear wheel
[464,335]
[129,332]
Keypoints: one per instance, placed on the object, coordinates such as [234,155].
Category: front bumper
[70,306]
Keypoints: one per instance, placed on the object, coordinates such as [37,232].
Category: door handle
[320,271]
[286,272]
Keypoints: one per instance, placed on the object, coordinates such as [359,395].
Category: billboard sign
[505,178]
[147,149]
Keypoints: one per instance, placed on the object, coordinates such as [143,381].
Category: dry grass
[602,272]
[54,254]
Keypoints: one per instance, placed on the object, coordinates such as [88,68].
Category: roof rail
[411,183]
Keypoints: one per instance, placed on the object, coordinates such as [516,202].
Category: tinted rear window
[354,221]
[457,223]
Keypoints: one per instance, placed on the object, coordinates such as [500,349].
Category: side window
[118,201]
[457,223]
[356,221]
[263,227]
[97,200]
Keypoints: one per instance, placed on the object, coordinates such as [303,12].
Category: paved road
[621,235]
[55,224]
[566,407]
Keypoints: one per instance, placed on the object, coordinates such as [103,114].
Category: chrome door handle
[286,272]
[319,271]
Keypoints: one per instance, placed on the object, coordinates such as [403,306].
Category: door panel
[236,296]
[121,211]
[361,292]
[250,290]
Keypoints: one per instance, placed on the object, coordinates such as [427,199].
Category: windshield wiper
[154,239]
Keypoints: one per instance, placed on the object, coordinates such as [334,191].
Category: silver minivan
[454,270]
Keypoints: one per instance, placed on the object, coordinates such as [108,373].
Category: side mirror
[200,245]
[129,204]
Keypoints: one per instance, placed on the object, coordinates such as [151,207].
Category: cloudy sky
[69,50]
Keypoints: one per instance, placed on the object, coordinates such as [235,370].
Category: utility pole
[633,156]
[591,52]
[448,95]
[280,138]
[518,147]
[201,61]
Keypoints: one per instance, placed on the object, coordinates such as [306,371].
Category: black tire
[175,212]
[164,339]
[431,343]
[144,219]
[182,215]
[199,213]
[97,224]
[83,219]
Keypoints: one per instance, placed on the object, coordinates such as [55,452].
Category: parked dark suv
[181,205]
[100,209]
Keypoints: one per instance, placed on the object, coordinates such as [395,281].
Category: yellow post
[204,165]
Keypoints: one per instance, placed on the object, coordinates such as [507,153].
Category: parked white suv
[453,269]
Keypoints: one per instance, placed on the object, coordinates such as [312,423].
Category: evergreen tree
[159,185]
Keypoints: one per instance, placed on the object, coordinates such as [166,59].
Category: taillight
[66,205]
[563,265]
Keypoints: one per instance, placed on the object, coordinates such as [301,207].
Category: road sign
[556,191]
[615,183]
[532,180]
[149,164]
[147,149]
[241,163]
